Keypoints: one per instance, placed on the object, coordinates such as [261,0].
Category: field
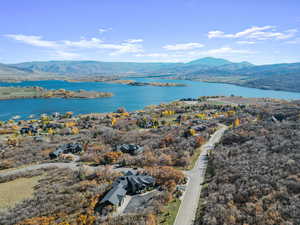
[16,191]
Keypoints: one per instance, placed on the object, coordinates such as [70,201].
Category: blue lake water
[130,97]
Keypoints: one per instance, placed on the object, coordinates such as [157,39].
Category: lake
[130,97]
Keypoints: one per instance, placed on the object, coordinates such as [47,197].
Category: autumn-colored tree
[165,160]
[70,124]
[189,132]
[166,141]
[166,174]
[151,219]
[201,116]
[236,122]
[112,157]
[168,113]
[75,130]
[149,159]
[113,121]
[199,141]
[44,220]
[85,219]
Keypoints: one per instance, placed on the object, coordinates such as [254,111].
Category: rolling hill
[284,76]
[94,67]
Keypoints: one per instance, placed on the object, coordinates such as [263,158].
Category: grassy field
[170,213]
[15,191]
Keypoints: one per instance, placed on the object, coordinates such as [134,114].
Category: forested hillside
[253,175]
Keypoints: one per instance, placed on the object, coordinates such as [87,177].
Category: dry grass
[15,191]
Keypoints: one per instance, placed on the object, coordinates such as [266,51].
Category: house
[131,183]
[136,183]
[130,149]
[199,128]
[29,130]
[65,149]
[115,196]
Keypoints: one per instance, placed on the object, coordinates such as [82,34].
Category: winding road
[188,207]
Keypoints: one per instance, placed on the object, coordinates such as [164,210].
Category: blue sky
[258,31]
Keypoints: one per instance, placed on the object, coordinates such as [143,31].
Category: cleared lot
[15,191]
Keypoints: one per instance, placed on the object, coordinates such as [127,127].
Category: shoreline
[160,84]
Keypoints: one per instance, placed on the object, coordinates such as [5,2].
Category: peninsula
[39,92]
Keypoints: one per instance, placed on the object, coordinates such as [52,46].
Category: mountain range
[275,76]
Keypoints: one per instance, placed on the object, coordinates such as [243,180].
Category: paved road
[188,207]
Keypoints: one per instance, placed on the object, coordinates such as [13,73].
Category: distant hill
[12,73]
[276,76]
[6,70]
[209,62]
[94,67]
[285,76]
[125,68]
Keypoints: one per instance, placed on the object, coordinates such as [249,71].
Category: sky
[258,31]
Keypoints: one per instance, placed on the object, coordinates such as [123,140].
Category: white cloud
[135,40]
[33,40]
[257,33]
[227,50]
[66,55]
[190,55]
[183,46]
[123,48]
[246,42]
[104,30]
[99,44]
[221,51]
[92,43]
[294,41]
[154,55]
[84,43]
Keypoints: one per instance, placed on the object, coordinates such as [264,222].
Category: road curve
[188,207]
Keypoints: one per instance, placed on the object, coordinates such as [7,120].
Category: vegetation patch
[170,212]
[16,191]
[255,172]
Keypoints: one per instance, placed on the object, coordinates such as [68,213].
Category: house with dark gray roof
[131,183]
[115,196]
